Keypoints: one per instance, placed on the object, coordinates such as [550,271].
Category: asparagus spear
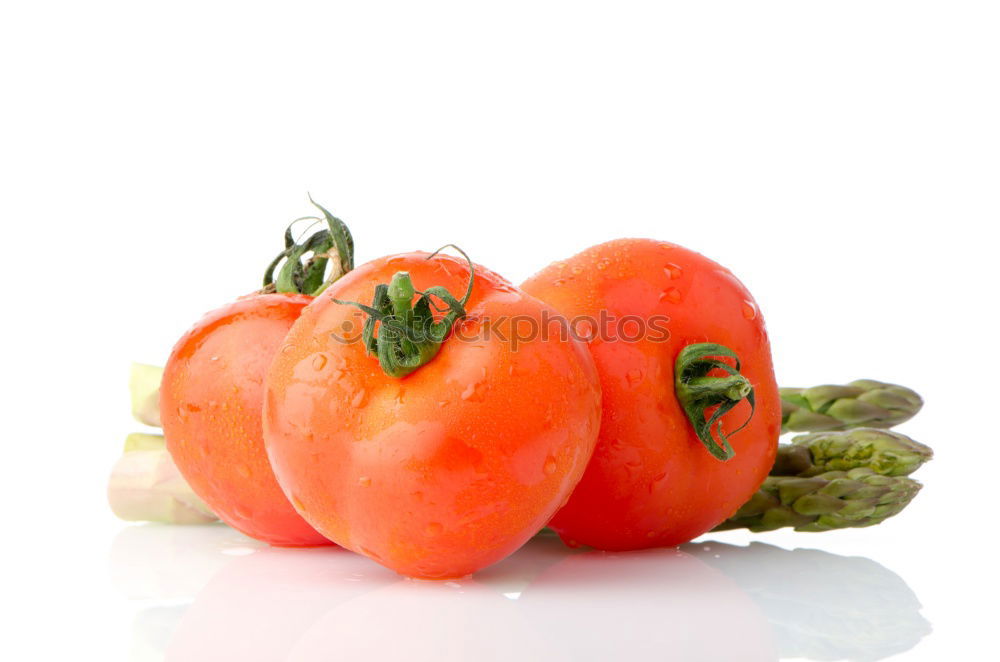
[145,485]
[831,500]
[882,451]
[144,442]
[144,385]
[835,480]
[862,403]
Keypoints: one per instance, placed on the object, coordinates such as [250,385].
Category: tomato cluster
[399,410]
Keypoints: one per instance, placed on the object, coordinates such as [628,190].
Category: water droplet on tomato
[656,483]
[243,470]
[297,503]
[319,362]
[634,376]
[602,264]
[673,271]
[288,348]
[365,481]
[471,392]
[550,466]
[671,294]
[577,270]
[184,410]
[359,398]
[749,310]
[584,329]
[434,529]
[559,282]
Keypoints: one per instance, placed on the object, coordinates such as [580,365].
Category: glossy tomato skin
[450,468]
[211,400]
[651,482]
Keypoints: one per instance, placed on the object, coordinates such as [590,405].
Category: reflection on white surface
[708,601]
[822,606]
[157,561]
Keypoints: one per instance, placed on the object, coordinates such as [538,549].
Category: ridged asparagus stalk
[145,485]
[835,480]
[884,452]
[144,385]
[832,500]
[862,403]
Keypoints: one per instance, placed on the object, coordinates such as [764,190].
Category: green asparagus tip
[883,451]
[862,403]
[832,500]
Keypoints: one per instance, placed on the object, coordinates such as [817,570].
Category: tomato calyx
[409,336]
[698,392]
[333,246]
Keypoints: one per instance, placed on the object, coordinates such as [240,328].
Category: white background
[840,157]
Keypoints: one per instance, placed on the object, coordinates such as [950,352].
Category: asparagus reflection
[822,606]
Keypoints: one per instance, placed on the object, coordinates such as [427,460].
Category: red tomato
[651,481]
[450,468]
[210,402]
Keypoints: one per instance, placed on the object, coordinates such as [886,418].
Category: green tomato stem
[299,274]
[698,392]
[409,336]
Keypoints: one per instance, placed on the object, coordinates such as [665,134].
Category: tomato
[212,393]
[651,481]
[210,402]
[451,467]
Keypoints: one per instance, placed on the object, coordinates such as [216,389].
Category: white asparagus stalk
[144,385]
[145,485]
